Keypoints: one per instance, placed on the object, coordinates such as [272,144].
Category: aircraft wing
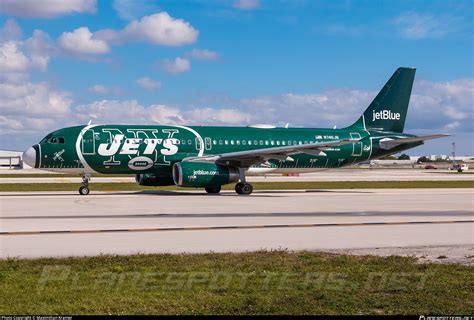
[391,143]
[247,158]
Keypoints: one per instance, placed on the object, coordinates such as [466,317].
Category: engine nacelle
[194,174]
[147,179]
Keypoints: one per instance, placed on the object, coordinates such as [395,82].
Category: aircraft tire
[243,188]
[213,189]
[84,191]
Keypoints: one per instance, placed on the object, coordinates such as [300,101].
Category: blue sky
[226,62]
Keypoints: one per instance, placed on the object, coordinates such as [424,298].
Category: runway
[323,175]
[66,224]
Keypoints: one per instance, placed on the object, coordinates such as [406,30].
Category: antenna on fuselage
[89,123]
[286,125]
[335,127]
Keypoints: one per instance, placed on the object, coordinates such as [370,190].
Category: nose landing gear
[84,189]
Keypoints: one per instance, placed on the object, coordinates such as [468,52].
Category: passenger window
[226,142]
[237,141]
[220,141]
[244,142]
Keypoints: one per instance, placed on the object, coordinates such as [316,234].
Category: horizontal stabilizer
[391,143]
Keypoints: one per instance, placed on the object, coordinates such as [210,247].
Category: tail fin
[388,110]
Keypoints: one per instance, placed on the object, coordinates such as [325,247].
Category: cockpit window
[53,140]
[61,139]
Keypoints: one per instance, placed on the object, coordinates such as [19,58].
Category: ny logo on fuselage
[119,143]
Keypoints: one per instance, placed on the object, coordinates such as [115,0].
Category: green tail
[388,110]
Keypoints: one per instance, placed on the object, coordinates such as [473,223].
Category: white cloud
[442,105]
[10,31]
[149,84]
[46,8]
[133,9]
[18,57]
[131,112]
[210,116]
[176,66]
[28,108]
[203,54]
[413,25]
[12,59]
[158,29]
[101,89]
[246,4]
[128,112]
[82,41]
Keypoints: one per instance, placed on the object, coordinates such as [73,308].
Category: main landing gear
[243,187]
[213,189]
[84,189]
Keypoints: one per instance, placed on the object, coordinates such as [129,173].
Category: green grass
[257,185]
[61,175]
[276,282]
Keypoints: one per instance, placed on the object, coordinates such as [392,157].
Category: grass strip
[257,185]
[264,282]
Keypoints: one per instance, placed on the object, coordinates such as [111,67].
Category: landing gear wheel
[243,188]
[213,189]
[84,190]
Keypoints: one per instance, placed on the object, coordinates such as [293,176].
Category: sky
[308,63]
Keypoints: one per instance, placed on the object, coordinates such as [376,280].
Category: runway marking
[307,225]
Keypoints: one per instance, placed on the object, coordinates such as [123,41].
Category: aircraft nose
[30,156]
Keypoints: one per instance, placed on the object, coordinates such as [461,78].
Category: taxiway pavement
[324,175]
[67,224]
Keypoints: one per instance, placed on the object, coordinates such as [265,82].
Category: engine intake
[147,179]
[193,174]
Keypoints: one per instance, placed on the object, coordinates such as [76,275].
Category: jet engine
[194,174]
[147,179]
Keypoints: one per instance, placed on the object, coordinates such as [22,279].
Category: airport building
[11,160]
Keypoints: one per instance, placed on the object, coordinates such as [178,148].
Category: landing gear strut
[243,187]
[84,189]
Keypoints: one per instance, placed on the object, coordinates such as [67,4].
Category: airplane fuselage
[134,149]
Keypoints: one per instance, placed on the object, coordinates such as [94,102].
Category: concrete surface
[134,211]
[325,175]
[460,254]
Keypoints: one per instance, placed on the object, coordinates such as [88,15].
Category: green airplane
[209,157]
